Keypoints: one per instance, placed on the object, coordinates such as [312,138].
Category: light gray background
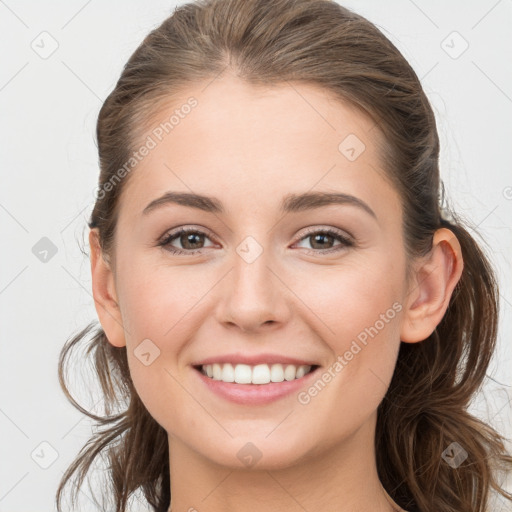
[49,171]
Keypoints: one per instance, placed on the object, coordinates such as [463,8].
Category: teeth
[243,374]
[276,373]
[228,373]
[217,372]
[290,372]
[301,371]
[259,374]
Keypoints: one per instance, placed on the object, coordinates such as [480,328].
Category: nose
[253,296]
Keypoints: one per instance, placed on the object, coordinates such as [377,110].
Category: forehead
[250,143]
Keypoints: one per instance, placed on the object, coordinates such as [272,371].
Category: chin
[258,452]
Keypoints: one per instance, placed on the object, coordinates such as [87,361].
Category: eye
[190,239]
[322,240]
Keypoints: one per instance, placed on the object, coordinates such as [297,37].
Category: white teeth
[301,371]
[242,374]
[261,374]
[289,372]
[228,373]
[217,371]
[258,374]
[277,373]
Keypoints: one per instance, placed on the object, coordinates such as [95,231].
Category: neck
[342,478]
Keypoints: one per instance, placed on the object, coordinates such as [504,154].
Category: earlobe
[430,293]
[104,293]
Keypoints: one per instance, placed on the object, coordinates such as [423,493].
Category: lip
[255,394]
[253,360]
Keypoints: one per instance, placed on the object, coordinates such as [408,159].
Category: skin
[249,147]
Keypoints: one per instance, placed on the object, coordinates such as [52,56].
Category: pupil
[318,237]
[190,238]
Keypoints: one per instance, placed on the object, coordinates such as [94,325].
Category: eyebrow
[291,203]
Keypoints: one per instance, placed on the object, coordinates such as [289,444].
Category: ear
[104,293]
[429,295]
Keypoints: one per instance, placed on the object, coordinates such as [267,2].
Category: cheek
[156,299]
[359,299]
[167,306]
[359,312]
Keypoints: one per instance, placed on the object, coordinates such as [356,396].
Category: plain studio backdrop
[60,60]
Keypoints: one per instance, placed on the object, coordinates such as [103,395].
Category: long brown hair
[425,409]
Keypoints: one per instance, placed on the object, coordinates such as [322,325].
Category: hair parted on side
[426,406]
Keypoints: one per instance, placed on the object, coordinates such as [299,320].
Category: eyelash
[345,241]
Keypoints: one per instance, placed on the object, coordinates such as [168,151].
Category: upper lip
[253,360]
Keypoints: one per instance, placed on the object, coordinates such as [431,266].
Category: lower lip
[255,394]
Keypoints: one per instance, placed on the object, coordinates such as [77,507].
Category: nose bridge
[253,295]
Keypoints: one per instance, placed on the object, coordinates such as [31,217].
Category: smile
[256,374]
[255,384]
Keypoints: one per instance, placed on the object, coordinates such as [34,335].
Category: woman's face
[266,279]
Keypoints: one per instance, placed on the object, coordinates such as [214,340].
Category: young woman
[288,319]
